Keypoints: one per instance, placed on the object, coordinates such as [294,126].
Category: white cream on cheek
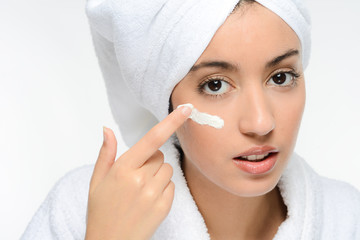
[204,118]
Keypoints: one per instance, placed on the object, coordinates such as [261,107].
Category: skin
[129,197]
[256,111]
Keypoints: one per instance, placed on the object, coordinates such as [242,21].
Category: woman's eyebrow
[275,61]
[232,67]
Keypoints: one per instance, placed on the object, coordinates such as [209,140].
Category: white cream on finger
[204,118]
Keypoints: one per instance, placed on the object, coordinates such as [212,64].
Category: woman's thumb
[106,157]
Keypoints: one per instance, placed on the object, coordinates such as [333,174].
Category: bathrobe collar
[300,189]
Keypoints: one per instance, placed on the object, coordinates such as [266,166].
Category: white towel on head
[295,14]
[146,47]
[140,45]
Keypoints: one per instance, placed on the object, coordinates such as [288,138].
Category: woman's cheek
[289,118]
[199,142]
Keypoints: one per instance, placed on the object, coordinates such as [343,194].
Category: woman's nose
[256,114]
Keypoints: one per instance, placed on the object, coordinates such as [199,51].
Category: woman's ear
[171,108]
[177,145]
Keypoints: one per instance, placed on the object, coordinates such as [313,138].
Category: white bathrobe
[318,208]
[144,49]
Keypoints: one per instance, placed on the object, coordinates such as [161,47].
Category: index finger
[156,137]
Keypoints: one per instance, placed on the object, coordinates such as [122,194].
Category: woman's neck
[228,216]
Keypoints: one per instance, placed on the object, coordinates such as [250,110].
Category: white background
[53,102]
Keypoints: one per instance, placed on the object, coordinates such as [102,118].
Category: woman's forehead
[255,34]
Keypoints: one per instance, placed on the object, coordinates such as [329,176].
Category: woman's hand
[130,197]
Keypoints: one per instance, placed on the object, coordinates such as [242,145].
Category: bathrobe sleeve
[63,213]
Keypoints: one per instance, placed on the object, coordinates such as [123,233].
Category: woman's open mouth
[257,160]
[254,158]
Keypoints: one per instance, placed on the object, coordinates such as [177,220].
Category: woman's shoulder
[341,209]
[334,191]
[73,187]
[339,190]
[62,215]
[340,196]
[77,179]
[331,207]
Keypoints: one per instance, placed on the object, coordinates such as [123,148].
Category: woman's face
[251,76]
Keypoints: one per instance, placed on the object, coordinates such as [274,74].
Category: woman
[241,181]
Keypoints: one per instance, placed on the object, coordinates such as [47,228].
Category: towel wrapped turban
[145,47]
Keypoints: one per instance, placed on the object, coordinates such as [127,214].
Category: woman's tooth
[255,157]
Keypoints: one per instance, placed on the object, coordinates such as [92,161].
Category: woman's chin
[253,187]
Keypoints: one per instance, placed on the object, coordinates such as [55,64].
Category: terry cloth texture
[146,47]
[318,208]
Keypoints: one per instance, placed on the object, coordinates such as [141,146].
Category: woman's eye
[216,87]
[283,79]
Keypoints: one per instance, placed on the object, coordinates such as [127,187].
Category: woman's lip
[257,150]
[262,167]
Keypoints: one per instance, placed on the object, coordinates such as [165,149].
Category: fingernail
[186,110]
[104,133]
